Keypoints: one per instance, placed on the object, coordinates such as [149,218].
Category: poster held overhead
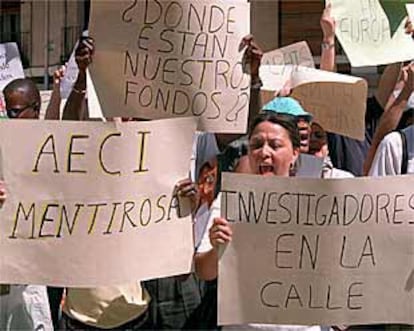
[160,59]
[372,32]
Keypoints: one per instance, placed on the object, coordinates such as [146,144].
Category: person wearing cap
[273,148]
[289,108]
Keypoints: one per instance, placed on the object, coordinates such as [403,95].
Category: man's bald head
[24,87]
[21,93]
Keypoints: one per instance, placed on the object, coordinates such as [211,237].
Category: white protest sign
[337,102]
[94,107]
[322,252]
[371,32]
[71,72]
[309,166]
[93,204]
[158,58]
[276,65]
[410,11]
[10,66]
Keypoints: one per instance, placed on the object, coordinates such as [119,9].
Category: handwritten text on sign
[366,34]
[172,58]
[326,252]
[94,194]
[10,67]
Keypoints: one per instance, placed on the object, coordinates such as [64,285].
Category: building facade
[45,31]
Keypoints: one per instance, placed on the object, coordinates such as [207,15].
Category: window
[10,21]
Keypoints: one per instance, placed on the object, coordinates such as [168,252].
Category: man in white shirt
[389,155]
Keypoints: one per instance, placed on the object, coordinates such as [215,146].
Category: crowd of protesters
[279,132]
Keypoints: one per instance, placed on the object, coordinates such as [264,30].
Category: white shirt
[388,157]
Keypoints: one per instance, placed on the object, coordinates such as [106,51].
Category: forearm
[255,103]
[74,107]
[387,84]
[206,264]
[53,108]
[388,122]
[328,54]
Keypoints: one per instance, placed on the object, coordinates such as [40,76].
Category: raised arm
[206,263]
[391,117]
[53,108]
[386,85]
[328,25]
[252,57]
[75,108]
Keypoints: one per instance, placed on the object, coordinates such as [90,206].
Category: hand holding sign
[252,55]
[84,53]
[188,189]
[220,233]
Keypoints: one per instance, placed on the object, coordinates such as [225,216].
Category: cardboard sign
[276,65]
[337,102]
[158,58]
[317,252]
[371,32]
[10,67]
[94,107]
[309,166]
[93,204]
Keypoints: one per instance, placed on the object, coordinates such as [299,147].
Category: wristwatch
[326,45]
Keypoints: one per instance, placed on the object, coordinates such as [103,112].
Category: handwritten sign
[10,66]
[276,66]
[157,59]
[84,198]
[369,33]
[337,102]
[324,252]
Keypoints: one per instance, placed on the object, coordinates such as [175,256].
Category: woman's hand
[328,25]
[220,233]
[188,189]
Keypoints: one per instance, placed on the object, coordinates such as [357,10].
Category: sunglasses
[15,112]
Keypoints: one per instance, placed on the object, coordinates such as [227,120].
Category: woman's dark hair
[288,122]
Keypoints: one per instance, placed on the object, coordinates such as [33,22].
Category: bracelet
[327,45]
[82,92]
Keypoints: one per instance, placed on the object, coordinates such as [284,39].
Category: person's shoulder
[391,140]
[338,173]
